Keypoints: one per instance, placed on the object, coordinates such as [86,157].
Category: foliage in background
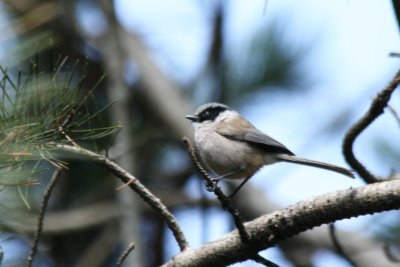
[39,110]
[276,64]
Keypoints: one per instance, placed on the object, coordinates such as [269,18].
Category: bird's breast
[225,156]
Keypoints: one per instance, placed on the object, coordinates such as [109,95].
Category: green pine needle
[39,110]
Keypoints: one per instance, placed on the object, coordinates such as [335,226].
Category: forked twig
[43,207]
[376,109]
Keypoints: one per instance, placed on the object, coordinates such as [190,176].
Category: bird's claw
[211,185]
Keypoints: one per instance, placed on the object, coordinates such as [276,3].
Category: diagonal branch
[376,109]
[212,186]
[125,254]
[134,184]
[266,231]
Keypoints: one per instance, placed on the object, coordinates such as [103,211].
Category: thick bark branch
[363,248]
[266,231]
[96,214]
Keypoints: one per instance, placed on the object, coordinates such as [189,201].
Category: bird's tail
[314,163]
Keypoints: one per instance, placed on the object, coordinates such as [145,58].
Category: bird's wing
[242,130]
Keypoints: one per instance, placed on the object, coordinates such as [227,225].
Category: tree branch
[134,184]
[97,214]
[266,231]
[376,109]
[363,248]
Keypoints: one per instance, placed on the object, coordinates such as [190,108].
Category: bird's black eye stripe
[210,113]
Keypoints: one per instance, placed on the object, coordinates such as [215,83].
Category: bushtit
[234,149]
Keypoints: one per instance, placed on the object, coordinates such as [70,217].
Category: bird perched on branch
[234,149]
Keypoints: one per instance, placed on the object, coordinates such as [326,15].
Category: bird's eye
[210,114]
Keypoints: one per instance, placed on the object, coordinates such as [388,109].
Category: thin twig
[376,109]
[261,260]
[338,247]
[43,207]
[134,184]
[211,185]
[1,255]
[394,113]
[125,254]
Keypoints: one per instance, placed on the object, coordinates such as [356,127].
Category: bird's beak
[193,118]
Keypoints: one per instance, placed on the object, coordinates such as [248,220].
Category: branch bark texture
[266,231]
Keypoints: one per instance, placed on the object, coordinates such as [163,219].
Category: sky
[349,62]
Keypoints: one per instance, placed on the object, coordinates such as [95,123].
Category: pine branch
[134,184]
[39,109]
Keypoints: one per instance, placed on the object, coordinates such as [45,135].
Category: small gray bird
[234,149]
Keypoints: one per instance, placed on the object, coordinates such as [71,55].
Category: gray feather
[258,139]
[268,143]
[314,163]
